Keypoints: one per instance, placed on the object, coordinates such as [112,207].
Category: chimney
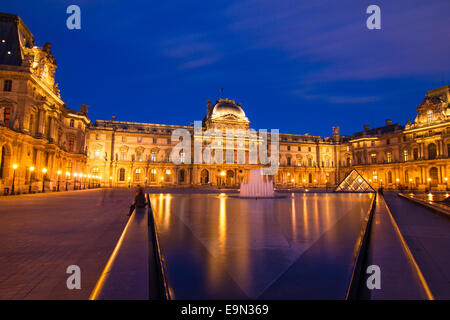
[388,122]
[366,127]
[208,106]
[113,118]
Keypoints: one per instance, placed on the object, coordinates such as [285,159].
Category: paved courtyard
[42,234]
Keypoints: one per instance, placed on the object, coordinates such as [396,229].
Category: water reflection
[220,246]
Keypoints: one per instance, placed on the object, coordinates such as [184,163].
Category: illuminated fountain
[258,186]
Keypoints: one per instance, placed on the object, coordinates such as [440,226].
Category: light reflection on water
[220,246]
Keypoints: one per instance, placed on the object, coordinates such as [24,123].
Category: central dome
[225,107]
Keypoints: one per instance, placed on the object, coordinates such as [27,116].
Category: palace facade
[41,139]
[46,145]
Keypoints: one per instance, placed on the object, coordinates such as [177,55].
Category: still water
[218,246]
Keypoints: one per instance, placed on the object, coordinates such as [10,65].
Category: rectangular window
[153,156]
[123,155]
[374,157]
[70,143]
[7,85]
[389,157]
[405,155]
[139,139]
[7,116]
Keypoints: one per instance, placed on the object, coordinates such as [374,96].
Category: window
[139,139]
[124,139]
[405,155]
[389,177]
[168,173]
[432,152]
[430,116]
[374,175]
[388,141]
[154,140]
[7,85]
[309,149]
[416,153]
[373,156]
[153,158]
[97,137]
[97,154]
[288,161]
[153,175]
[137,175]
[122,174]
[389,157]
[72,123]
[183,157]
[372,143]
[289,148]
[123,155]
[70,143]
[7,116]
[309,162]
[138,155]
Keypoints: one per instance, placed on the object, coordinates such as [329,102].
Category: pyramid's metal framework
[354,182]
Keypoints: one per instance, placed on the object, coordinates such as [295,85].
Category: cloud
[331,36]
[191,50]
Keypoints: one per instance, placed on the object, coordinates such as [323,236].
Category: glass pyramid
[354,182]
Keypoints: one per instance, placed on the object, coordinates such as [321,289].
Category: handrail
[157,268]
[362,248]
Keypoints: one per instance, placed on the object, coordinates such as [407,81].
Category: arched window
[309,177]
[121,174]
[349,162]
[137,174]
[72,123]
[416,154]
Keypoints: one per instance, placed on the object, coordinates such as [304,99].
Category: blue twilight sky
[299,66]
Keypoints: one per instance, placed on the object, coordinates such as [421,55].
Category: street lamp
[110,182]
[59,175]
[44,171]
[429,183]
[31,178]
[410,183]
[89,181]
[222,173]
[15,166]
[67,178]
[397,180]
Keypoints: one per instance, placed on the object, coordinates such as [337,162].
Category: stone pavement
[42,234]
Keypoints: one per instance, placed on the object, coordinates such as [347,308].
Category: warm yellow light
[168,171]
[222,173]
[162,178]
[410,180]
[100,177]
[397,179]
[370,180]
[75,174]
[67,173]
[429,179]
[44,170]
[59,172]
[89,176]
[445,178]
[292,180]
[304,180]
[110,178]
[15,166]
[31,168]
[289,174]
[129,178]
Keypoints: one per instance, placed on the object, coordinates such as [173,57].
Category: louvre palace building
[46,145]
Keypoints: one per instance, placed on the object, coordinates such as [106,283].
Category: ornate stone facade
[37,131]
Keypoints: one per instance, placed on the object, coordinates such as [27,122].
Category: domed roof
[225,107]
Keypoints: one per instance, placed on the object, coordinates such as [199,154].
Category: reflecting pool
[217,246]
